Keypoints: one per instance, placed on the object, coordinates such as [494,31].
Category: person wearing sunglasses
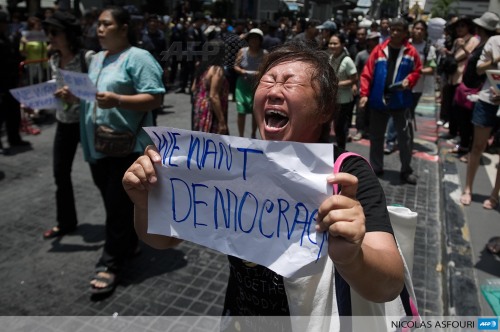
[63,32]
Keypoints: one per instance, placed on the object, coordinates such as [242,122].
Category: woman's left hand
[65,94]
[107,99]
[344,219]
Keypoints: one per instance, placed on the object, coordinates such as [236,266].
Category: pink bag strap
[337,166]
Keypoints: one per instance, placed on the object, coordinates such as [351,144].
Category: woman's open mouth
[275,120]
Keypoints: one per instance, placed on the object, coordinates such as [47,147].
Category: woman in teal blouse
[129,85]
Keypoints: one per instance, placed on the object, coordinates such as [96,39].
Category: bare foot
[466,198]
[490,203]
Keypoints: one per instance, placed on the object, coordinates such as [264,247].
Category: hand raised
[344,219]
[140,176]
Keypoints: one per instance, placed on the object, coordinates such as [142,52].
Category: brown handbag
[114,143]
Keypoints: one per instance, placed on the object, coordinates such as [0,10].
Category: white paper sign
[35,36]
[249,198]
[79,84]
[37,96]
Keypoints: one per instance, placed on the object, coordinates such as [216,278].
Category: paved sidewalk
[50,278]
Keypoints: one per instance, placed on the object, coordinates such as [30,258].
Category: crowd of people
[342,69]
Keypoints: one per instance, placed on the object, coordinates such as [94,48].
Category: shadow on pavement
[489,262]
[424,147]
[19,149]
[91,233]
[392,177]
[480,198]
[58,247]
[151,263]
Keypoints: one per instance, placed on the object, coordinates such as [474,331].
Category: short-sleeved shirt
[491,51]
[69,113]
[132,71]
[346,69]
[430,61]
[254,290]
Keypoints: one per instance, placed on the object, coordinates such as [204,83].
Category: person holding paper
[295,101]
[63,31]
[129,85]
[484,119]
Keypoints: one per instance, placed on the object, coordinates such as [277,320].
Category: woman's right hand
[140,176]
[137,182]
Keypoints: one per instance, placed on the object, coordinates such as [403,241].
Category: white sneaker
[446,125]
[439,123]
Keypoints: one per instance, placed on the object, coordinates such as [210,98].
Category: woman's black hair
[74,40]
[489,33]
[342,38]
[323,76]
[122,17]
[213,54]
[70,25]
[422,23]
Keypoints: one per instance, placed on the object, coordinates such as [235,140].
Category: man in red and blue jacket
[391,71]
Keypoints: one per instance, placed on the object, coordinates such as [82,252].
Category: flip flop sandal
[111,281]
[56,232]
[493,245]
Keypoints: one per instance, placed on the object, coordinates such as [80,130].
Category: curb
[459,284]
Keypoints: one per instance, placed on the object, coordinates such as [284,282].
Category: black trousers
[342,123]
[65,143]
[447,108]
[121,239]
[187,74]
[10,113]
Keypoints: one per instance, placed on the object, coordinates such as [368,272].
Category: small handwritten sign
[35,36]
[494,77]
[37,96]
[253,199]
[79,84]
